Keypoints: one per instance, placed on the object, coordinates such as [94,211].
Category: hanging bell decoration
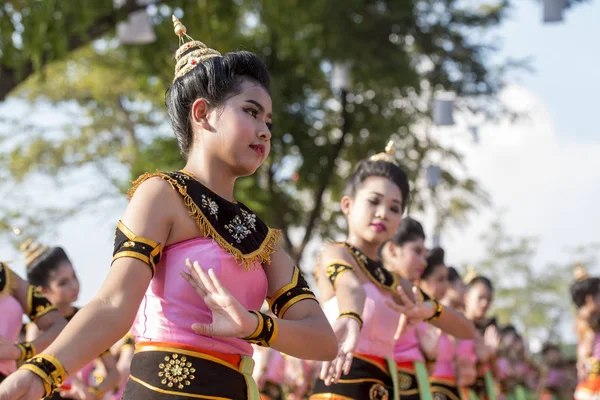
[553,10]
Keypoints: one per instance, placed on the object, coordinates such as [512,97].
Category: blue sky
[542,171]
[566,57]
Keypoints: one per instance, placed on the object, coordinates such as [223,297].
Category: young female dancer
[17,297]
[355,287]
[52,273]
[405,256]
[194,339]
[434,283]
[479,295]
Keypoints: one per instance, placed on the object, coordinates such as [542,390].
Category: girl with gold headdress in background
[360,296]
[17,297]
[191,265]
[585,293]
[52,273]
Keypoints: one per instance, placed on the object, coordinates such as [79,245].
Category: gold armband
[353,315]
[37,304]
[265,332]
[27,350]
[49,369]
[128,244]
[290,294]
[438,311]
[335,268]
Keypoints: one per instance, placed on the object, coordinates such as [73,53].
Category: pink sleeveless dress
[170,305]
[379,322]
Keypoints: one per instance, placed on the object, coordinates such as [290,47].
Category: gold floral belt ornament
[158,370]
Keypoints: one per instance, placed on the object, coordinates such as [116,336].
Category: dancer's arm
[349,291]
[107,318]
[50,323]
[303,322]
[110,314]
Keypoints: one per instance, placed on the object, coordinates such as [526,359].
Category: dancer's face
[407,260]
[436,283]
[236,135]
[478,300]
[456,294]
[63,286]
[375,211]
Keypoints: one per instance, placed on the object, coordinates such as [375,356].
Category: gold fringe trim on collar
[261,255]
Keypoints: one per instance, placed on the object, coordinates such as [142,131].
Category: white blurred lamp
[553,10]
[340,76]
[433,176]
[137,29]
[474,134]
[437,239]
[443,108]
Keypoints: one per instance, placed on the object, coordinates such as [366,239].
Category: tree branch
[316,212]
[13,76]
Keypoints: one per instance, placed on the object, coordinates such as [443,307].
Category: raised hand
[229,317]
[491,337]
[347,332]
[414,311]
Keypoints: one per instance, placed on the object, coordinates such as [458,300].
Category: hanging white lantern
[137,29]
[340,76]
[433,176]
[442,112]
[474,134]
[553,10]
[437,240]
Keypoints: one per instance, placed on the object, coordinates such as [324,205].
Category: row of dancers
[181,311]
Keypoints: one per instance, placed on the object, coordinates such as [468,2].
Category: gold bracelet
[266,331]
[27,350]
[353,315]
[48,368]
[438,310]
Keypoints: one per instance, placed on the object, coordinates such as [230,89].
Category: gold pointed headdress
[387,155]
[31,248]
[470,275]
[191,52]
[580,273]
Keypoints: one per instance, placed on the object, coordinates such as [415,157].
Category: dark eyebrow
[260,106]
[381,195]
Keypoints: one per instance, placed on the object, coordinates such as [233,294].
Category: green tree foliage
[535,299]
[400,53]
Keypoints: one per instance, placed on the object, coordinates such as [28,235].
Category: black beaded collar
[374,270]
[232,225]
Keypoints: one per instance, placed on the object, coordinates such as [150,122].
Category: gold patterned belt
[159,370]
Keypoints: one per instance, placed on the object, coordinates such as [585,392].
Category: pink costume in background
[12,317]
[170,305]
[444,366]
[379,322]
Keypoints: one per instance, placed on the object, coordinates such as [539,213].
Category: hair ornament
[191,52]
